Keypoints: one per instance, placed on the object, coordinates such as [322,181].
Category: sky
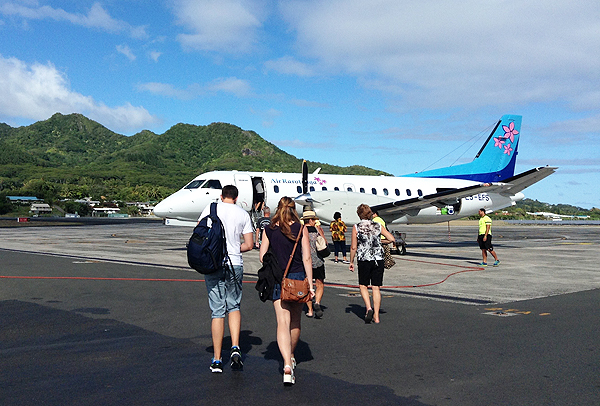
[399,86]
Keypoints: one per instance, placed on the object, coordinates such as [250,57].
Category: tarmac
[111,313]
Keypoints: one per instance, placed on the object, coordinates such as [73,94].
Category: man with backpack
[224,286]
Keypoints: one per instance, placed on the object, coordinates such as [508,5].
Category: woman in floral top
[338,228]
[366,247]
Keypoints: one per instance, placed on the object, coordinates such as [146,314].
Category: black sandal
[369,316]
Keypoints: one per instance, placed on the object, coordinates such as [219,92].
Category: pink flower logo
[510,132]
[507,149]
[499,142]
[320,181]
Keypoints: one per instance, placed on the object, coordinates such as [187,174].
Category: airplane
[557,217]
[434,196]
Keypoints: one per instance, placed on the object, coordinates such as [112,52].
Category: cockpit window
[195,184]
[212,184]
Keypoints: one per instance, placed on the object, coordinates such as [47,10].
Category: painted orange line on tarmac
[435,283]
[101,279]
[91,278]
[469,269]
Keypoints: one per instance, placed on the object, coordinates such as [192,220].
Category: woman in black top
[281,237]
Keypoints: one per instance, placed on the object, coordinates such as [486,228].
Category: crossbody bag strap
[293,251]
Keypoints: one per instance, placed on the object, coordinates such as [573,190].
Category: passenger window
[299,189]
[336,188]
[212,184]
[408,192]
[374,191]
[323,188]
[349,189]
[385,192]
[195,184]
[419,192]
[362,190]
[312,188]
[276,189]
[397,192]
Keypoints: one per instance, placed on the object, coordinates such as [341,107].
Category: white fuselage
[329,193]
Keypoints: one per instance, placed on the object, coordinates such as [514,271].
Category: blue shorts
[224,289]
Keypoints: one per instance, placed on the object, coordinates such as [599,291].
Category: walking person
[366,247]
[338,229]
[224,286]
[387,245]
[484,238]
[261,224]
[281,236]
[318,265]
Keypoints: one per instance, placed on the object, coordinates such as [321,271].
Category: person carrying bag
[294,290]
[288,240]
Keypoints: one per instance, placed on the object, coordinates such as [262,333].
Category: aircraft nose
[163,208]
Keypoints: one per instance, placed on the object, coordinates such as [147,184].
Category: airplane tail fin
[494,162]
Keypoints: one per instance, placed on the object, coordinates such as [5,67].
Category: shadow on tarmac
[54,357]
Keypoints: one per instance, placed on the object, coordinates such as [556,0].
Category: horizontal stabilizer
[524,180]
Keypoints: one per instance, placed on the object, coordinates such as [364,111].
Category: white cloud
[290,66]
[125,50]
[308,103]
[232,85]
[97,17]
[168,90]
[219,25]
[468,52]
[238,87]
[38,91]
[154,55]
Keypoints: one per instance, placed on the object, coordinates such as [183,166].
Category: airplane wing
[441,199]
[508,187]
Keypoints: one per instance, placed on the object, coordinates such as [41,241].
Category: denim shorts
[224,289]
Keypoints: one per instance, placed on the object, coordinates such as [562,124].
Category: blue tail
[494,162]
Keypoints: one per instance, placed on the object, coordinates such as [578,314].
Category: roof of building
[31,198]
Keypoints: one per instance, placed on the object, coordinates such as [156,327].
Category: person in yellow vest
[379,220]
[385,243]
[484,239]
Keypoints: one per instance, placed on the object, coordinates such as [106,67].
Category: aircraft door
[244,185]
[259,193]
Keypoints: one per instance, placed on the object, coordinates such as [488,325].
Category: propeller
[304,199]
[304,177]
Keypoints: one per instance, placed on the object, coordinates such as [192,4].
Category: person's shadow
[302,353]
[358,310]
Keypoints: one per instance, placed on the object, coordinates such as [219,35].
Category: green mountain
[71,156]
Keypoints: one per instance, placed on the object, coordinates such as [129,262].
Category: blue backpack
[207,248]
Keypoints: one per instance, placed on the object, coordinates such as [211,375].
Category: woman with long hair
[281,236]
[366,247]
